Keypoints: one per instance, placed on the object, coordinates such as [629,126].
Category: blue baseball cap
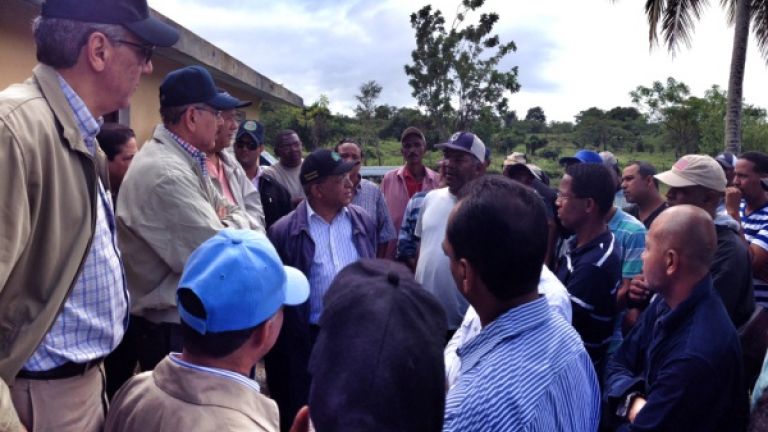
[466,142]
[194,84]
[582,156]
[240,281]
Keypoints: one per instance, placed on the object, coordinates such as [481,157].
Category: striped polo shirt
[755,227]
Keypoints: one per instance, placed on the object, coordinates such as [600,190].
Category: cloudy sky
[571,54]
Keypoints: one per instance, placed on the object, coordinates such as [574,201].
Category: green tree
[459,64]
[366,113]
[676,18]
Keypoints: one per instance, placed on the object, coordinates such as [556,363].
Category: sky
[571,55]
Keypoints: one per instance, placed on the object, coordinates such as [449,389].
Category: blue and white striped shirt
[93,319]
[334,250]
[527,370]
[234,376]
[756,232]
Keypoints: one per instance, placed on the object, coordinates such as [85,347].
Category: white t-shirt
[549,286]
[433,269]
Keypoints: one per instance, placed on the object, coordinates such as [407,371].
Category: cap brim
[249,133]
[343,168]
[452,146]
[223,101]
[154,32]
[296,287]
[569,160]
[673,179]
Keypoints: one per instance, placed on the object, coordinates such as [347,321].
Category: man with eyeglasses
[249,143]
[169,207]
[227,175]
[63,297]
[320,237]
[590,268]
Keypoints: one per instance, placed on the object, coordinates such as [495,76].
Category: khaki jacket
[245,193]
[167,209]
[176,398]
[48,196]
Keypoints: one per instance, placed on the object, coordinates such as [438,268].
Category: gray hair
[59,40]
[172,115]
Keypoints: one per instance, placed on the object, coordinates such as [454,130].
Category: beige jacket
[167,209]
[245,193]
[177,398]
[48,190]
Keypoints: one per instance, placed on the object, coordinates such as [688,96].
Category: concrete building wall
[17,58]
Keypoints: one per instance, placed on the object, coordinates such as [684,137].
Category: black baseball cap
[378,360]
[193,84]
[322,163]
[131,14]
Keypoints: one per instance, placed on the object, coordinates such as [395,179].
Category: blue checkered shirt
[196,154]
[94,316]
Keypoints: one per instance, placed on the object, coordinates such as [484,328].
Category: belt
[67,370]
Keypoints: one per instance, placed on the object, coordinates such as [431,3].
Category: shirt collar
[89,126]
[513,322]
[674,317]
[234,376]
[311,211]
[196,154]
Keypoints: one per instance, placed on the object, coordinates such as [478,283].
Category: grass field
[390,155]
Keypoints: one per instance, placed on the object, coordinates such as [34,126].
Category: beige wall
[17,54]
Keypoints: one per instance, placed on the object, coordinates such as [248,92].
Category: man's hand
[733,201]
[638,290]
[637,404]
[301,421]
[222,213]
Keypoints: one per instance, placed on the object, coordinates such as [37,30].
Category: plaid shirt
[94,316]
[196,154]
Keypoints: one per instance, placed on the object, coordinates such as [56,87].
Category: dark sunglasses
[145,50]
[253,145]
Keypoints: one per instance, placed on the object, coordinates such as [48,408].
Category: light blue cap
[241,282]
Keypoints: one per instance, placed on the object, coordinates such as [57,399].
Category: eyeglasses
[251,145]
[145,50]
[216,113]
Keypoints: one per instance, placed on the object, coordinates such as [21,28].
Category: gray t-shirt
[287,178]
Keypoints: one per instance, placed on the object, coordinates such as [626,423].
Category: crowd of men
[300,295]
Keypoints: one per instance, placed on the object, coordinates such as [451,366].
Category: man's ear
[97,51]
[671,261]
[466,274]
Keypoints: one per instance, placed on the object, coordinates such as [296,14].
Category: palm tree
[676,18]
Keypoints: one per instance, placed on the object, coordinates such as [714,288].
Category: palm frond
[759,13]
[653,10]
[730,10]
[679,18]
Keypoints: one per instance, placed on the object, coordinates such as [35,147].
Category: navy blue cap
[254,129]
[378,360]
[466,142]
[582,156]
[131,14]
[322,163]
[193,84]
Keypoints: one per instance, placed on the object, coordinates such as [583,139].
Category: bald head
[691,233]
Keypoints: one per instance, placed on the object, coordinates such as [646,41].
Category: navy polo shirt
[686,362]
[592,274]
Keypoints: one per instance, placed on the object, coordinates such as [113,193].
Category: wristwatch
[623,409]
